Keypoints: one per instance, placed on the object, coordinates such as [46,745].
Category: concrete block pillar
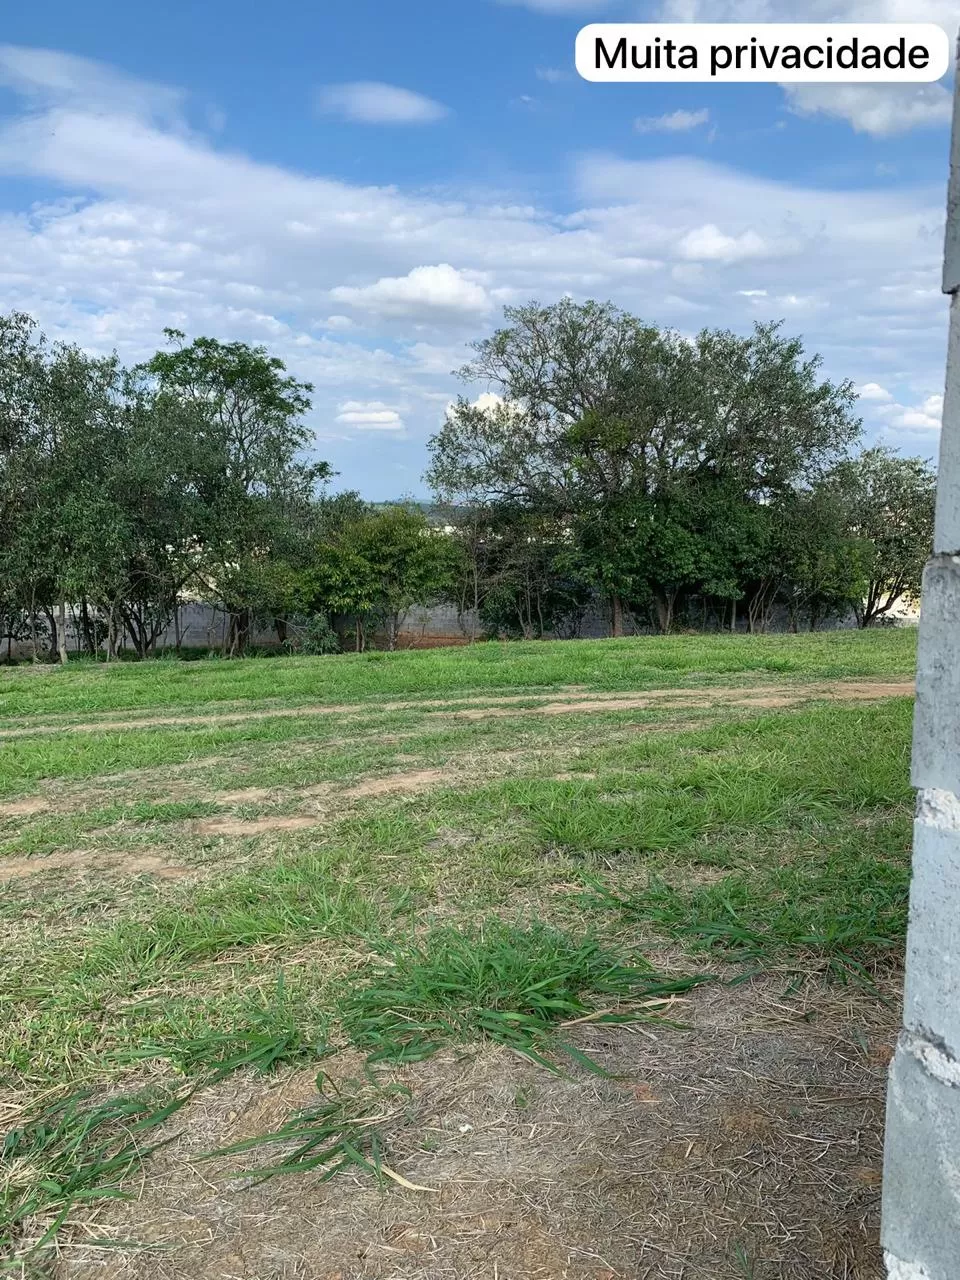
[921,1176]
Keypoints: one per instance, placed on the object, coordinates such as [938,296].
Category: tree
[824,562]
[254,482]
[23,455]
[67,539]
[889,507]
[563,373]
[379,562]
[615,428]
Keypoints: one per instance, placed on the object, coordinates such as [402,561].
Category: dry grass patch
[243,827]
[737,1147]
[85,862]
[404,783]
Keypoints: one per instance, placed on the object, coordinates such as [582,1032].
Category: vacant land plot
[552,960]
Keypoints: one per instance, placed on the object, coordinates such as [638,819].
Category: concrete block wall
[204,627]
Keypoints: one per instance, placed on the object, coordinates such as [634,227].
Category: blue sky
[363,187]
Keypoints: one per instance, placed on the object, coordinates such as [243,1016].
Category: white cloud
[675,122]
[941,12]
[710,244]
[369,415]
[879,110]
[50,77]
[369,102]
[873,391]
[488,402]
[752,293]
[552,75]
[440,289]
[922,417]
[793,301]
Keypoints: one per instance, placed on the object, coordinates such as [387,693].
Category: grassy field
[561,960]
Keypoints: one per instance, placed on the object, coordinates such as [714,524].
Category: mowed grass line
[609,665]
[65,756]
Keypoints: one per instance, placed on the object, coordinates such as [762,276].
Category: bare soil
[251,795]
[765,697]
[253,826]
[391,784]
[746,1145]
[83,861]
[24,808]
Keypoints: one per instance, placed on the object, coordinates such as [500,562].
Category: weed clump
[515,985]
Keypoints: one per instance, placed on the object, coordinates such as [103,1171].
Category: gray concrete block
[921,1173]
[936,733]
[932,984]
[947,536]
[951,246]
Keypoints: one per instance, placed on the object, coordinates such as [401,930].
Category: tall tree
[889,505]
[255,480]
[616,428]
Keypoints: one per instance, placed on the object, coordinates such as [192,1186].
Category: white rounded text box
[777,52]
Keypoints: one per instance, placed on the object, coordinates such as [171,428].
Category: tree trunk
[62,632]
[664,605]
[733,616]
[85,628]
[112,632]
[239,632]
[758,609]
[616,615]
[143,640]
[474,621]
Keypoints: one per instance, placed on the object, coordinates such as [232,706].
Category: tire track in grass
[478,708]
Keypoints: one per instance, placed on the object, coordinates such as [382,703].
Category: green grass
[25,760]
[402,923]
[78,1149]
[837,901]
[497,981]
[71,1153]
[650,662]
